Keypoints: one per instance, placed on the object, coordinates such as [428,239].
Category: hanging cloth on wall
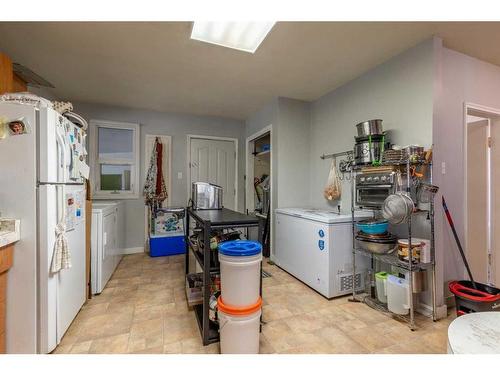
[155,191]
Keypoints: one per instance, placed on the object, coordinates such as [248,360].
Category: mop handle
[452,225]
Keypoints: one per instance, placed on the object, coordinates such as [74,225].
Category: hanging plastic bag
[333,189]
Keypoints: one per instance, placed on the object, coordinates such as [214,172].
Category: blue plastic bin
[160,246]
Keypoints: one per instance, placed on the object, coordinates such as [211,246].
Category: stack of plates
[395,156]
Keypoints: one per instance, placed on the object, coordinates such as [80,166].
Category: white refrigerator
[41,184]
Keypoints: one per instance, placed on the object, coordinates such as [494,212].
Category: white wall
[178,126]
[463,79]
[399,92]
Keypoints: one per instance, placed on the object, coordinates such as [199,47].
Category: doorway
[259,184]
[482,206]
[215,160]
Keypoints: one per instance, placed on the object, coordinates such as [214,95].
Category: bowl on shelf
[376,243]
[371,226]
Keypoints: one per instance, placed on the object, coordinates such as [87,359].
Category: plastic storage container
[162,246]
[381,286]
[239,328]
[425,254]
[398,295]
[194,289]
[240,272]
[167,232]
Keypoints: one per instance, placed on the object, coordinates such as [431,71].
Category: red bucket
[469,299]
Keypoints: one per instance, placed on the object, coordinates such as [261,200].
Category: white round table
[476,333]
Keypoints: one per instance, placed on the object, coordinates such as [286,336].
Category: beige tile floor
[143,310]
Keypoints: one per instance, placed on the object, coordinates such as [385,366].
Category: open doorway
[482,186]
[258,184]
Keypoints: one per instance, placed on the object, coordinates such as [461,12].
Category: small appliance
[373,188]
[206,196]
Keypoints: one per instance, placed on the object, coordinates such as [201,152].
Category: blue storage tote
[162,245]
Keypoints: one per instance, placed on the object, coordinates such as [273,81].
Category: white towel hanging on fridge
[62,257]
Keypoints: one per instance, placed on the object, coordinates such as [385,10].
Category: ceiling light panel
[243,36]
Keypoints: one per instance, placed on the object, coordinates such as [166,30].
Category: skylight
[243,36]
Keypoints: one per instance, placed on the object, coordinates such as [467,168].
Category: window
[115,159]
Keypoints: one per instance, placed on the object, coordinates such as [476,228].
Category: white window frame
[95,162]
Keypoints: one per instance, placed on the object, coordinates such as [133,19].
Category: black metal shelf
[207,221]
[201,259]
[213,328]
[393,260]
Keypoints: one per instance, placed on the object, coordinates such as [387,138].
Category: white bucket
[239,334]
[240,279]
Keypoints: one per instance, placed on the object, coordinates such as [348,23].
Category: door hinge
[490,142]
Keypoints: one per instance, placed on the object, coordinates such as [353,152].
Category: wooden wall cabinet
[6,260]
[9,81]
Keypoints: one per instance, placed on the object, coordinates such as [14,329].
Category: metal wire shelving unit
[392,259]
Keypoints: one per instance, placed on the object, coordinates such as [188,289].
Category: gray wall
[293,144]
[178,126]
[398,91]
[463,79]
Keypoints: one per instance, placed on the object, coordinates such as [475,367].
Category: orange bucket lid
[232,310]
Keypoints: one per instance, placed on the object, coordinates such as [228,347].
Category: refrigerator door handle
[62,156]
[61,177]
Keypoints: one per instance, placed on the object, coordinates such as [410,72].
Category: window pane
[115,177]
[116,143]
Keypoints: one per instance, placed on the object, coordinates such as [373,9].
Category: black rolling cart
[207,221]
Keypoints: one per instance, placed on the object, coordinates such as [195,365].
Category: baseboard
[426,310]
[133,250]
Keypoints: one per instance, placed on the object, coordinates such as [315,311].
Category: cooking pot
[370,127]
[369,149]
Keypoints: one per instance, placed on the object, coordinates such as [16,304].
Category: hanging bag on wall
[333,189]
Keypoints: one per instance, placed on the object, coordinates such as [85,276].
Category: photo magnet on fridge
[19,127]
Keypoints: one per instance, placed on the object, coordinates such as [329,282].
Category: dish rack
[392,259]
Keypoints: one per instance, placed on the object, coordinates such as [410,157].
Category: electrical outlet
[179,175]
[443,167]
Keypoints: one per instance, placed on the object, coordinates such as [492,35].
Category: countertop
[9,231]
[225,217]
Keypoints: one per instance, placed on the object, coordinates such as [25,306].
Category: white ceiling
[157,66]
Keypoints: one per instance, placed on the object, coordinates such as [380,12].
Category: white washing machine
[315,246]
[107,241]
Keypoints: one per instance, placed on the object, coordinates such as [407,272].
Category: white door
[214,161]
[477,246]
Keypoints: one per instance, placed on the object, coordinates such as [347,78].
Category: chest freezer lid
[324,216]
